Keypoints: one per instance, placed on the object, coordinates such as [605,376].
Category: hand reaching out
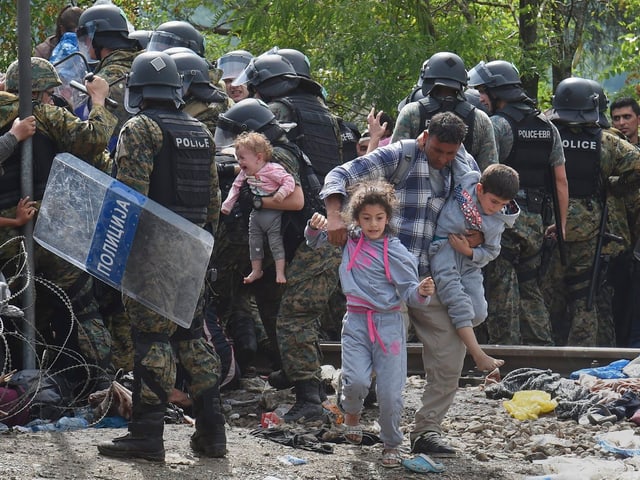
[25,211]
[318,221]
[427,287]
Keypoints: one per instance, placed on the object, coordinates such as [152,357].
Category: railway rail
[562,360]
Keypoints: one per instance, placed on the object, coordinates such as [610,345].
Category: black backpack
[294,222]
[317,131]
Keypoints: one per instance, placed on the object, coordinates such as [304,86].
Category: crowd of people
[473,218]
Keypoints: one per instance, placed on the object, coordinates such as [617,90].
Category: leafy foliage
[368,53]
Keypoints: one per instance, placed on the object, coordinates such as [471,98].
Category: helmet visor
[232,66]
[223,138]
[248,74]
[160,41]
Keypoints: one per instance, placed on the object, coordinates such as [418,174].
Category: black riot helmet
[575,102]
[154,76]
[104,26]
[500,79]
[299,61]
[195,75]
[443,68]
[176,33]
[603,104]
[248,115]
[270,75]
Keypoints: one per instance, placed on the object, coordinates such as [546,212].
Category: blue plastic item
[613,370]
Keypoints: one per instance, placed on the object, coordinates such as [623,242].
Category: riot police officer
[176,33]
[293,315]
[598,163]
[148,149]
[103,35]
[444,77]
[203,100]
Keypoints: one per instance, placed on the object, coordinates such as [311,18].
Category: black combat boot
[210,438]
[308,406]
[144,439]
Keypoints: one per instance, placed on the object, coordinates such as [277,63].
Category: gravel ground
[492,445]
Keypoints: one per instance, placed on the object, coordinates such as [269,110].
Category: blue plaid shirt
[418,205]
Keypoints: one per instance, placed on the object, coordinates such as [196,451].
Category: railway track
[562,360]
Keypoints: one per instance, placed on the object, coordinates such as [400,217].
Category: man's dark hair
[447,127]
[501,180]
[622,102]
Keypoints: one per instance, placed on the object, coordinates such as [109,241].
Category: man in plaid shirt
[422,189]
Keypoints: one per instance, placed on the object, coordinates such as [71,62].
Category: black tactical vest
[582,155]
[44,150]
[317,132]
[181,177]
[429,106]
[532,144]
[294,222]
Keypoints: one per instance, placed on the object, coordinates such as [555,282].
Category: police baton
[79,86]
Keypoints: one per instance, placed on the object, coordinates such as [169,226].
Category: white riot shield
[123,238]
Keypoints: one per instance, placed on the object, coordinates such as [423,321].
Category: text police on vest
[580,144]
[534,134]
[189,142]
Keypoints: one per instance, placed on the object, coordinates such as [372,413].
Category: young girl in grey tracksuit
[377,275]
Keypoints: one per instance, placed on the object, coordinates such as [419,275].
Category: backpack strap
[408,155]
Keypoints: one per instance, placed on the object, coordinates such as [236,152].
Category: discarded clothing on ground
[576,399]
[535,379]
[320,440]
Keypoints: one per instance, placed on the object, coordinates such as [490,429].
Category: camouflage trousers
[516,307]
[312,277]
[117,322]
[566,291]
[159,344]
[233,301]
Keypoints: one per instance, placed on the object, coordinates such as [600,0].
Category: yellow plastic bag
[529,404]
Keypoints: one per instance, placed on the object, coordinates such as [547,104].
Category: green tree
[369,53]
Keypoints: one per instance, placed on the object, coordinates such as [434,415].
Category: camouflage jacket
[85,139]
[207,113]
[113,68]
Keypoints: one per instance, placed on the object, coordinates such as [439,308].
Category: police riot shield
[73,67]
[123,238]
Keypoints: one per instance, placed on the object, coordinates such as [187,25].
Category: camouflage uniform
[86,140]
[517,310]
[329,319]
[484,143]
[113,68]
[140,142]
[207,113]
[618,158]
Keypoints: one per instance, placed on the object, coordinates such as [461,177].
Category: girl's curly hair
[370,192]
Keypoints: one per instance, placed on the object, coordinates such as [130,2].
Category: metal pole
[26,180]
